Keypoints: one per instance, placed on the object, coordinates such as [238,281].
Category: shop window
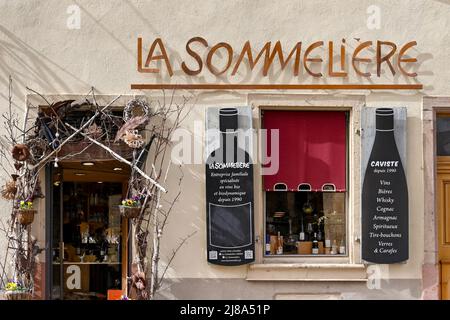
[305,201]
[443,135]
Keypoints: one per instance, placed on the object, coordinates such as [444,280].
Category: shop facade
[319,97]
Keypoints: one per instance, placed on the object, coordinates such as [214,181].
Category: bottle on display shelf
[319,235]
[315,244]
[302,234]
[334,247]
[342,247]
[309,232]
[327,243]
[267,243]
[280,244]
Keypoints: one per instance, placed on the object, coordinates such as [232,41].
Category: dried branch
[174,252]
[77,131]
[118,157]
[40,95]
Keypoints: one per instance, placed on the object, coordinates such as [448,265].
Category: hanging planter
[25,216]
[15,291]
[130,208]
[25,213]
[129,212]
[17,295]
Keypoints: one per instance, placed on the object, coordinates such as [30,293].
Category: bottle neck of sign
[384,119]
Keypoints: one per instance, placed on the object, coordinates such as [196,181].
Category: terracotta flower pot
[129,212]
[25,216]
[18,295]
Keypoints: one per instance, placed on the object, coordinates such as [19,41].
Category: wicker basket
[18,295]
[130,212]
[25,216]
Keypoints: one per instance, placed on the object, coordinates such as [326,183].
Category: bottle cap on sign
[228,119]
[384,119]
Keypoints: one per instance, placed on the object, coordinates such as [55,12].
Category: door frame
[48,231]
[443,178]
[432,106]
[49,214]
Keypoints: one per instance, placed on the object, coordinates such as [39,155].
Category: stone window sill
[307,272]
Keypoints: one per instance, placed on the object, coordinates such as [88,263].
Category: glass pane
[443,136]
[91,233]
[55,291]
[305,223]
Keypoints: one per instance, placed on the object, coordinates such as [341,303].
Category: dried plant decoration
[18,165]
[9,190]
[131,124]
[133,139]
[54,128]
[135,108]
[94,131]
[20,152]
[139,283]
[38,148]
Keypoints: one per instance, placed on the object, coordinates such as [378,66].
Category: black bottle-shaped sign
[229,197]
[384,197]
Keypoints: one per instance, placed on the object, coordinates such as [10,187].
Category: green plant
[25,204]
[132,202]
[14,286]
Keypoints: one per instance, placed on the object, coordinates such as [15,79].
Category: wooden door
[443,205]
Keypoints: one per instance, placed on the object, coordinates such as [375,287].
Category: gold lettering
[278,50]
[248,50]
[330,61]
[211,53]
[355,58]
[401,59]
[306,59]
[195,55]
[386,58]
[150,57]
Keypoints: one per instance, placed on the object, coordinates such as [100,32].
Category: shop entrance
[89,256]
[443,201]
[443,189]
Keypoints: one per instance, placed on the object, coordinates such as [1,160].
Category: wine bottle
[334,247]
[319,234]
[342,247]
[384,197]
[267,244]
[229,197]
[309,232]
[315,244]
[280,243]
[301,235]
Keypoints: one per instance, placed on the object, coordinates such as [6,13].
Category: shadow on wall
[29,66]
[444,1]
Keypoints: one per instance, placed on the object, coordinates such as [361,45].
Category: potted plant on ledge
[25,212]
[130,208]
[15,291]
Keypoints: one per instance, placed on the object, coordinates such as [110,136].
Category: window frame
[289,263]
[346,198]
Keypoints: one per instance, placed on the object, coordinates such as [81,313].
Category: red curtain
[312,149]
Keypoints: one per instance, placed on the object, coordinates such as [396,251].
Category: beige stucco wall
[40,51]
